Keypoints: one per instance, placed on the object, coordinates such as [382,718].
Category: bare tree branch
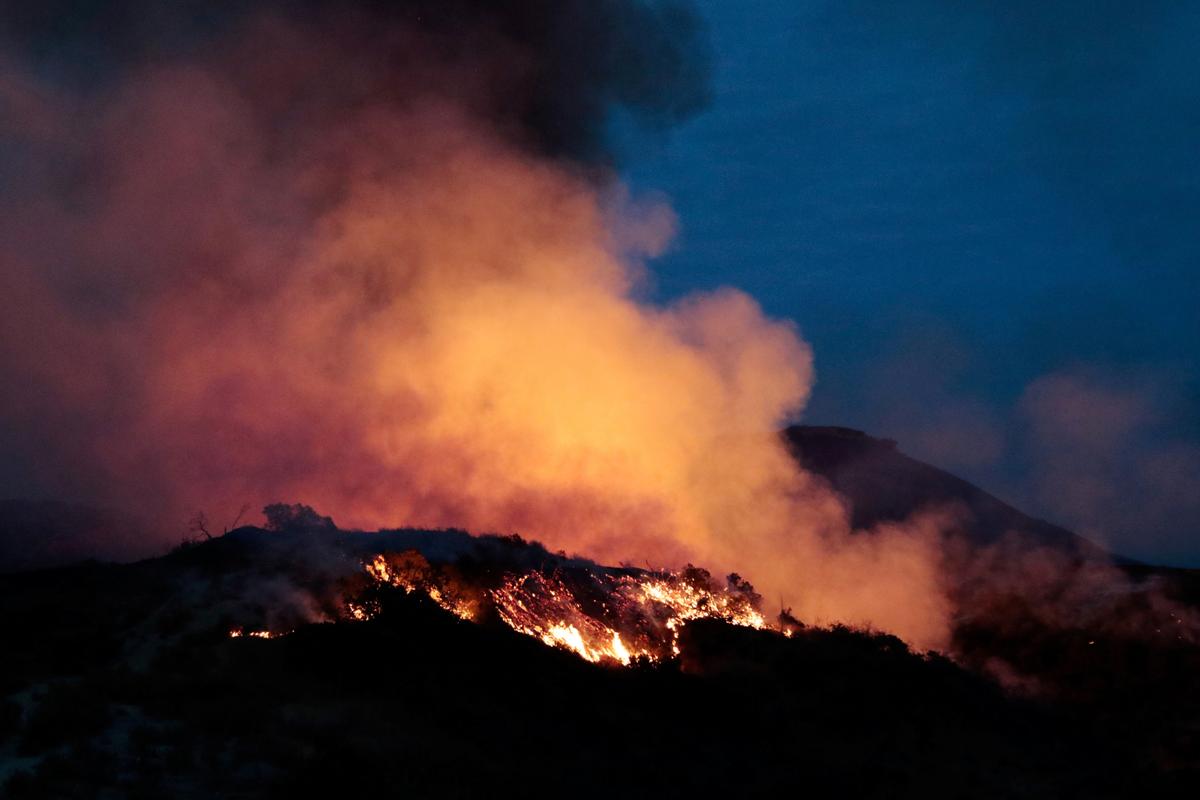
[241,513]
[199,524]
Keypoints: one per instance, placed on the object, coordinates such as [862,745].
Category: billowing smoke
[1104,460]
[373,260]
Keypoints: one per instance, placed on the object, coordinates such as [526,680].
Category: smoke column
[375,261]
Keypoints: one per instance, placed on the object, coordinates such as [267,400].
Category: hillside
[124,681]
[882,484]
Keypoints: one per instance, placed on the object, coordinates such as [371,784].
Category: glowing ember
[238,633]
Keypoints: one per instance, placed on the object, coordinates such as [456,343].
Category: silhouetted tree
[296,517]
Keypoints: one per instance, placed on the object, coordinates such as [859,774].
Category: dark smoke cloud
[549,72]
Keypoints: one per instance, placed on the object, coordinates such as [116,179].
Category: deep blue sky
[984,218]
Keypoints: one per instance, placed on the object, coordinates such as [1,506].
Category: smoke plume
[373,260]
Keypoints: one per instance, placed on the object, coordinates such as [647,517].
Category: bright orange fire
[601,617]
[547,610]
[410,572]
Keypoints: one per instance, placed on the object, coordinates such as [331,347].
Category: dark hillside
[123,682]
[884,485]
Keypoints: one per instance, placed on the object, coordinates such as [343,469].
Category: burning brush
[602,615]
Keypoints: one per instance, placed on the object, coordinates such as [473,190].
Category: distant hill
[48,533]
[882,484]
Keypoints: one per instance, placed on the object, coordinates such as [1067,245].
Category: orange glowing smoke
[401,320]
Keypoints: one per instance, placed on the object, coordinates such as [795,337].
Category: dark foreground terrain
[123,681]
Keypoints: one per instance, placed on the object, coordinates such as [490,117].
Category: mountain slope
[882,484]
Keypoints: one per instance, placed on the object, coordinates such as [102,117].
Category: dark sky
[983,216]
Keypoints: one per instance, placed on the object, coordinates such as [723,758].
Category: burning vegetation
[618,616]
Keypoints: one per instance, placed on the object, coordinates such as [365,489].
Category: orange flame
[411,572]
[602,618]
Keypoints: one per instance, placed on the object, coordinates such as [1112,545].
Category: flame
[648,607]
[411,572]
[601,616]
